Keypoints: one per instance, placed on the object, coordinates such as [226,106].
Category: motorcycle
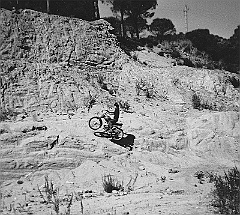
[96,122]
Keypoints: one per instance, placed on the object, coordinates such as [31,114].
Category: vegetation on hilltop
[132,13]
[197,48]
[200,49]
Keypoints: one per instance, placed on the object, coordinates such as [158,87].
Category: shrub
[184,45]
[89,101]
[146,87]
[110,184]
[3,115]
[235,81]
[175,54]
[227,192]
[186,54]
[149,92]
[50,195]
[125,106]
[101,81]
[150,45]
[7,114]
[134,57]
[196,102]
[188,62]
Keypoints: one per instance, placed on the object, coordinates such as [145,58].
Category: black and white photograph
[119,107]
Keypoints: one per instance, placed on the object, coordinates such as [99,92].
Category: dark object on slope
[54,143]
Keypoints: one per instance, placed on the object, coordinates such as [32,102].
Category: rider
[116,113]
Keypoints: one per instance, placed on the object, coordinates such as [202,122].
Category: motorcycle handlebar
[104,113]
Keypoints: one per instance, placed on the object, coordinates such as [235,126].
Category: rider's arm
[110,112]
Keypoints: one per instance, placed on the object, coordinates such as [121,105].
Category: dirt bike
[96,122]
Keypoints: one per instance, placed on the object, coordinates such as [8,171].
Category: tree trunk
[96,9]
[17,5]
[136,26]
[48,6]
[122,23]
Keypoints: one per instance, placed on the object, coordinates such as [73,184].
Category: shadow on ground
[127,141]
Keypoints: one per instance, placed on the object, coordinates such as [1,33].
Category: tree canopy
[139,10]
[115,23]
[161,26]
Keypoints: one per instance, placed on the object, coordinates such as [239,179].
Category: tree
[96,8]
[134,10]
[235,38]
[115,23]
[140,9]
[130,25]
[161,26]
[47,6]
[119,6]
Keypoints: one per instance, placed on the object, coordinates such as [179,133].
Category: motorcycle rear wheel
[117,133]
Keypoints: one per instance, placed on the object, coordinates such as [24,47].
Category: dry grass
[50,195]
[110,184]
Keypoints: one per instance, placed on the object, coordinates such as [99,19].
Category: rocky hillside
[52,60]
[55,63]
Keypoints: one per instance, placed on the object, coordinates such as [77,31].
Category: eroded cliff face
[48,60]
[215,134]
[53,63]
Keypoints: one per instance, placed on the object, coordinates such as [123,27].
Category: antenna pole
[186,9]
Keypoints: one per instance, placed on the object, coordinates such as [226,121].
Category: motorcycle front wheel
[95,123]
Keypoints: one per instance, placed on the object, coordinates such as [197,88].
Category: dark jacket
[116,113]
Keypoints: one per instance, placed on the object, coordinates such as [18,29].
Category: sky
[221,17]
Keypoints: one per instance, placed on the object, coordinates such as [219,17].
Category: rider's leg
[111,123]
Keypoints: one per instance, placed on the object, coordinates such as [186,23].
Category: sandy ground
[157,177]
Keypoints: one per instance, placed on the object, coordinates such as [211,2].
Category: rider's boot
[110,127]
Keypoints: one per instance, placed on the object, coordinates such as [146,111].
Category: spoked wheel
[117,133]
[95,123]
